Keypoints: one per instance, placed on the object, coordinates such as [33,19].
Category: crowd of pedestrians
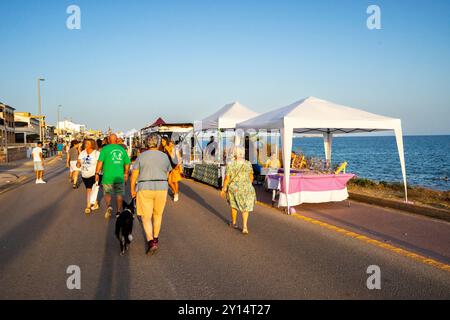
[150,172]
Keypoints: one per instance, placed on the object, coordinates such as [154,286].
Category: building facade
[27,127]
[7,126]
[70,130]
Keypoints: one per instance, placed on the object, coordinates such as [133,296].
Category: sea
[427,158]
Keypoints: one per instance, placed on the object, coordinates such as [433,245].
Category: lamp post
[57,123]
[40,106]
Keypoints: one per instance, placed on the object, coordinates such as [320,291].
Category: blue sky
[133,61]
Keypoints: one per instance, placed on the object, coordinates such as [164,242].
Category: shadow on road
[114,281]
[24,234]
[194,196]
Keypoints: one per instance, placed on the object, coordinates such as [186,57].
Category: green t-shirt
[114,158]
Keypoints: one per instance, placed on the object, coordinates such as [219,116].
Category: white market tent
[313,115]
[226,118]
[131,133]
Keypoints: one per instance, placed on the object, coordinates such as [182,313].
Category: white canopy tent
[225,118]
[313,115]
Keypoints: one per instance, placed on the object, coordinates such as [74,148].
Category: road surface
[44,230]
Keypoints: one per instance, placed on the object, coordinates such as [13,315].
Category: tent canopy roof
[157,123]
[227,117]
[314,115]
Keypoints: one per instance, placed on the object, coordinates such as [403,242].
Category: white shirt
[36,151]
[88,163]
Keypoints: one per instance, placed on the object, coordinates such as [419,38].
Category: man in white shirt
[38,160]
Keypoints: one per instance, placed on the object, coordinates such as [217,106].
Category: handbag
[94,193]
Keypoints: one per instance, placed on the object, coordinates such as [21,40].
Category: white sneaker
[37,181]
[175,197]
[40,181]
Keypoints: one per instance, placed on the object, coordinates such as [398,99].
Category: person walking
[87,162]
[38,160]
[71,162]
[115,164]
[59,149]
[175,175]
[175,159]
[149,186]
[238,188]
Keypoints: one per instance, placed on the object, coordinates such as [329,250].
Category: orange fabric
[175,174]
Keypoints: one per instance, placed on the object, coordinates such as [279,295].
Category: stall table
[310,188]
[209,173]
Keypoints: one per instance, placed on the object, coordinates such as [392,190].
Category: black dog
[124,226]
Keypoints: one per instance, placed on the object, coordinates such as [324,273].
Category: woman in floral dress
[238,188]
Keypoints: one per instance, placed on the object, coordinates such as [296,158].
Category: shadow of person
[190,193]
[114,281]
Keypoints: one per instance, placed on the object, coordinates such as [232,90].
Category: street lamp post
[40,106]
[58,116]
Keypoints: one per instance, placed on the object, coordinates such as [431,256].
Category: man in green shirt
[115,163]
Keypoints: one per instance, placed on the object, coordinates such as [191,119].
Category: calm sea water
[427,157]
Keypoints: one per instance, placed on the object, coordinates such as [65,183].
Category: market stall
[168,129]
[317,116]
[211,170]
[209,173]
[310,188]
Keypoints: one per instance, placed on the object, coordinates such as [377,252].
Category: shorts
[114,188]
[38,166]
[59,153]
[89,182]
[73,166]
[151,202]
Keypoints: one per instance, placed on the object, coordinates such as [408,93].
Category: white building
[69,126]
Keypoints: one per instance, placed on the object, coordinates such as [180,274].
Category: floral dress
[241,194]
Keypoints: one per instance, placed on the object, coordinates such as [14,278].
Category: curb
[435,213]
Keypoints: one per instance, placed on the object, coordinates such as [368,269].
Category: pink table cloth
[311,188]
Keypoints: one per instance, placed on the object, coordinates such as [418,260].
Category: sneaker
[175,197]
[152,247]
[37,181]
[40,181]
[95,206]
[108,212]
[87,210]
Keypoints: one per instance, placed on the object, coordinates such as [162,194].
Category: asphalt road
[43,230]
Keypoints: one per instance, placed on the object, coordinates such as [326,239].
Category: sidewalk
[17,172]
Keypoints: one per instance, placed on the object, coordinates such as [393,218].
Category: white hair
[153,140]
[238,152]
